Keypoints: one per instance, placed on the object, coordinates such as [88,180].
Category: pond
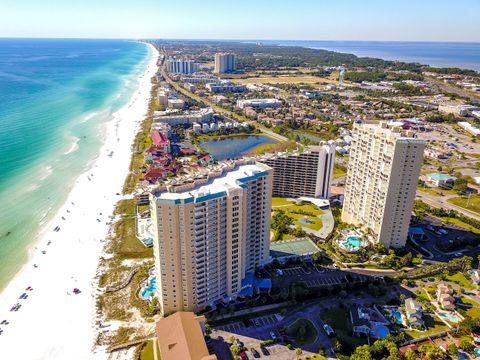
[234,147]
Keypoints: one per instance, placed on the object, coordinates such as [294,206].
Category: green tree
[362,353]
[466,345]
[452,349]
[298,351]
[431,351]
[235,349]
[410,355]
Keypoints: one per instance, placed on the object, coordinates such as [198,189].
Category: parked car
[243,356]
[255,353]
[273,336]
[328,329]
[443,231]
[279,272]
[458,254]
[264,350]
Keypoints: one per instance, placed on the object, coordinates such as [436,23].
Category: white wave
[46,172]
[74,147]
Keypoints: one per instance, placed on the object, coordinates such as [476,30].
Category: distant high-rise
[225,63]
[303,174]
[178,66]
[382,178]
[209,235]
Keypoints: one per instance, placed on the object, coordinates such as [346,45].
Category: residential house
[360,321]
[445,297]
[414,312]
[441,180]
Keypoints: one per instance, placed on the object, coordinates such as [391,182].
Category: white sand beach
[53,322]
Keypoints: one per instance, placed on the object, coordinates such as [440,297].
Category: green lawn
[303,331]
[461,224]
[315,225]
[461,279]
[339,170]
[147,351]
[293,209]
[462,201]
[473,312]
[339,320]
[468,301]
[433,324]
[278,201]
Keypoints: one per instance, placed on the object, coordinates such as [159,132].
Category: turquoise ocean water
[54,97]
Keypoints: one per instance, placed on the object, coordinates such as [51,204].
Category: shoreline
[72,253]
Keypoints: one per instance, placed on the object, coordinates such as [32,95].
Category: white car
[273,336]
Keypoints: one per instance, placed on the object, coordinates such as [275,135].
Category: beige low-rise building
[381,182]
[209,234]
[181,336]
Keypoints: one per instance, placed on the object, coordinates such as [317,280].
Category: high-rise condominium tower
[308,173]
[225,62]
[209,235]
[381,181]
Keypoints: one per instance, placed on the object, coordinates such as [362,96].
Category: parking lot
[327,281]
[294,271]
[260,322]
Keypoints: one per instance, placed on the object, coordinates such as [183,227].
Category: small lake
[234,147]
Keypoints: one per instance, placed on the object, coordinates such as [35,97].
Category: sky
[383,20]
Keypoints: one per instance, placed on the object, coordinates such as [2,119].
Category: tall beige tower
[225,62]
[382,178]
[209,234]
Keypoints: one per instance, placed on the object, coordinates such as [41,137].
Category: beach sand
[53,322]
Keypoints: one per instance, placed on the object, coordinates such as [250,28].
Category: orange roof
[180,336]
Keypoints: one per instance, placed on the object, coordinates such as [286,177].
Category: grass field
[473,202]
[473,312]
[461,224]
[147,351]
[461,280]
[339,170]
[291,208]
[303,331]
[306,79]
[433,324]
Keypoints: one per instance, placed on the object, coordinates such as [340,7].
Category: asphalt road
[440,202]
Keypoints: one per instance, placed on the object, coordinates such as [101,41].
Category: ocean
[438,54]
[55,98]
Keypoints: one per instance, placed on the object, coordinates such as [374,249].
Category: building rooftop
[180,336]
[442,177]
[298,247]
[215,185]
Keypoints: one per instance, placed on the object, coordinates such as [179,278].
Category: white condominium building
[178,66]
[308,173]
[209,235]
[381,181]
[225,63]
[259,103]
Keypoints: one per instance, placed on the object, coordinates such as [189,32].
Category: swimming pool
[450,317]
[352,242]
[148,292]
[477,351]
[397,316]
[381,332]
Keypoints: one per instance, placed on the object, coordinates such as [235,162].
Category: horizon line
[228,40]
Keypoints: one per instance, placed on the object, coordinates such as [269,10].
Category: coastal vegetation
[141,143]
